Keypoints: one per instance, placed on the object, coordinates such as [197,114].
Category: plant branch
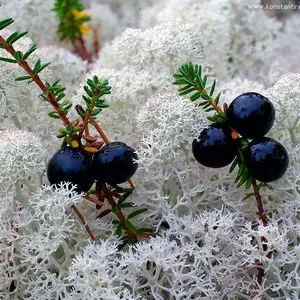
[96,43]
[98,128]
[263,217]
[261,212]
[83,221]
[118,212]
[83,50]
[35,77]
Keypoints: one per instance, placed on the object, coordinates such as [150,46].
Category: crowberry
[266,159]
[114,163]
[214,147]
[251,115]
[72,165]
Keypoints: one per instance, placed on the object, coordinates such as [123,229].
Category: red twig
[51,97]
[117,211]
[261,213]
[83,52]
[83,221]
[264,218]
[96,42]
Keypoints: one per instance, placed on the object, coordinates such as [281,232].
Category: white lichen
[21,157]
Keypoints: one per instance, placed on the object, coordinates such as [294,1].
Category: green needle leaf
[240,172]
[204,80]
[9,60]
[27,77]
[5,23]
[119,230]
[42,67]
[136,213]
[249,182]
[195,96]
[15,36]
[18,56]
[202,103]
[130,226]
[244,178]
[212,88]
[54,115]
[233,165]
[248,195]
[218,98]
[144,230]
[29,51]
[95,112]
[126,205]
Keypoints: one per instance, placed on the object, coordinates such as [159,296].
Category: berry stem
[261,212]
[117,211]
[82,219]
[83,52]
[96,42]
[263,217]
[210,100]
[98,128]
[218,109]
[51,97]
[214,105]
[96,201]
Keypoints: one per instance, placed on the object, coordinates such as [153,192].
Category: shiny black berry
[251,115]
[214,147]
[266,159]
[114,163]
[72,165]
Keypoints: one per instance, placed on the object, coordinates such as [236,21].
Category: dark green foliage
[70,23]
[57,91]
[5,23]
[95,89]
[15,36]
[19,56]
[193,80]
[121,230]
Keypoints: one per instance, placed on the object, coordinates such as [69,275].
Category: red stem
[261,212]
[83,50]
[263,217]
[118,213]
[82,219]
[96,42]
[51,97]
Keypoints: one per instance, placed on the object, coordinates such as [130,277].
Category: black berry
[114,163]
[214,147]
[251,115]
[266,159]
[73,165]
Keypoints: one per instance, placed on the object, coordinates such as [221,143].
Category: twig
[96,42]
[98,128]
[82,219]
[263,217]
[51,97]
[261,213]
[83,50]
[117,211]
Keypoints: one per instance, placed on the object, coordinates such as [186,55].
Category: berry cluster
[113,164]
[82,160]
[251,115]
